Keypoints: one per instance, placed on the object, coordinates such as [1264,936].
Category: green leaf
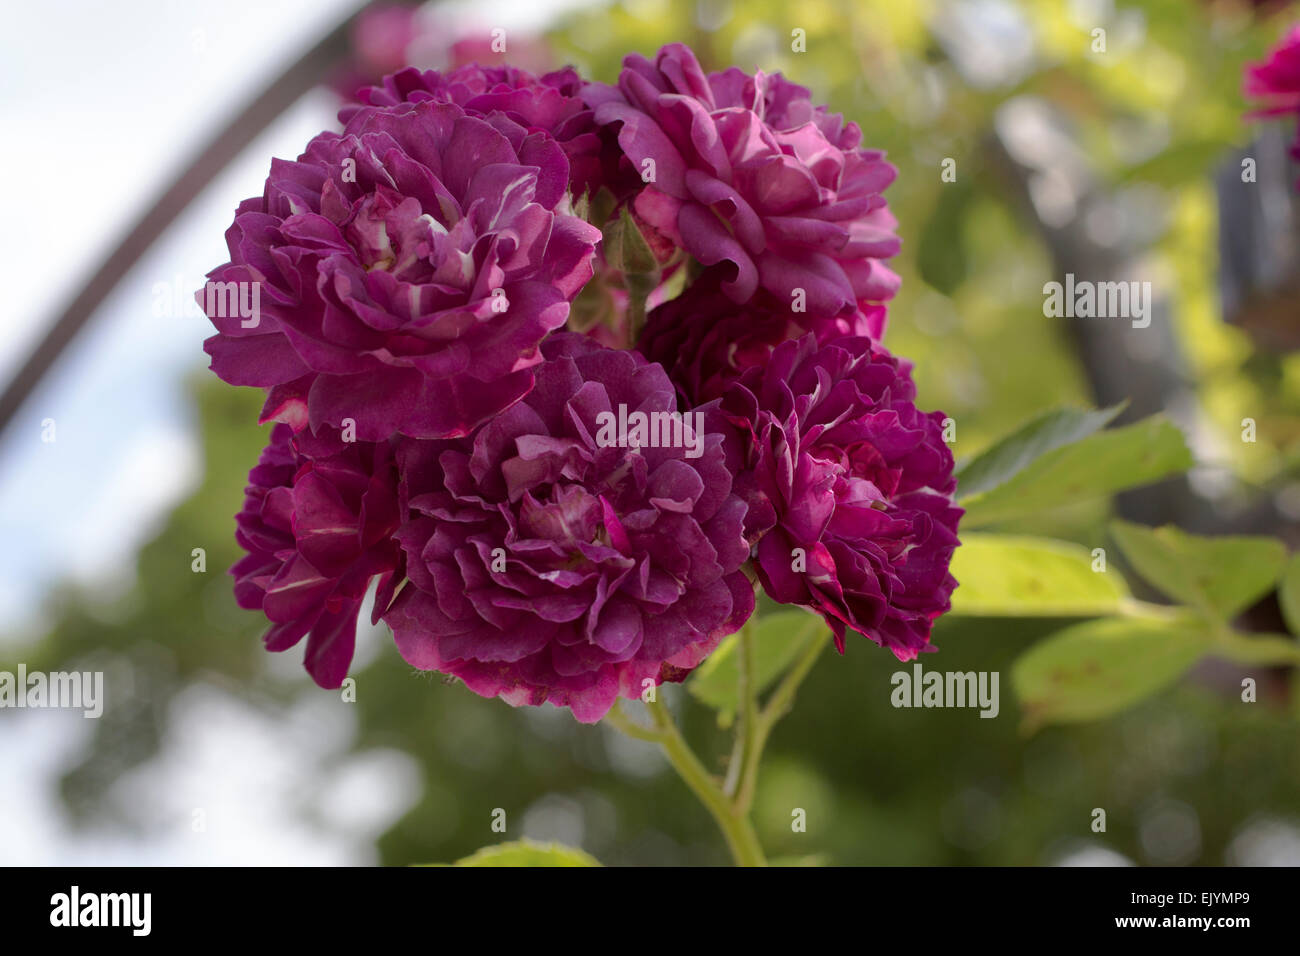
[1098,668]
[1006,458]
[626,248]
[1219,576]
[1092,467]
[1010,576]
[1288,594]
[1178,164]
[778,639]
[941,255]
[525,853]
[598,208]
[1266,649]
[813,859]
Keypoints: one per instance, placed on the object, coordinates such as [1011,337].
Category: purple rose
[317,524]
[549,562]
[1276,81]
[407,269]
[747,172]
[380,37]
[551,103]
[852,489]
[706,341]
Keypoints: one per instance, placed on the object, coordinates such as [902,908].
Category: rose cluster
[564,371]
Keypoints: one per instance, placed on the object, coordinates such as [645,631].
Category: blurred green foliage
[878,784]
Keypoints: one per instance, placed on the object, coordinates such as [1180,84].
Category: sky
[109,101]
[102,105]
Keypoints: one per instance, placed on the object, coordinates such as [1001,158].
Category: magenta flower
[706,341]
[503,94]
[380,37]
[407,269]
[542,519]
[852,489]
[745,170]
[547,562]
[1276,81]
[317,524]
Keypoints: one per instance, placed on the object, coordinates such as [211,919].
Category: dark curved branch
[214,156]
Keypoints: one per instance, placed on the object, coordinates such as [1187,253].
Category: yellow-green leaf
[1264,649]
[1011,455]
[1013,576]
[1092,467]
[1220,575]
[1098,668]
[525,853]
[778,639]
[1288,594]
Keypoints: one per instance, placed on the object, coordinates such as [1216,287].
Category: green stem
[736,828]
[778,705]
[639,287]
[626,725]
[1132,607]
[745,753]
[782,699]
[730,802]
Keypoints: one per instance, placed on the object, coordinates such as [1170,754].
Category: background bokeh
[210,750]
